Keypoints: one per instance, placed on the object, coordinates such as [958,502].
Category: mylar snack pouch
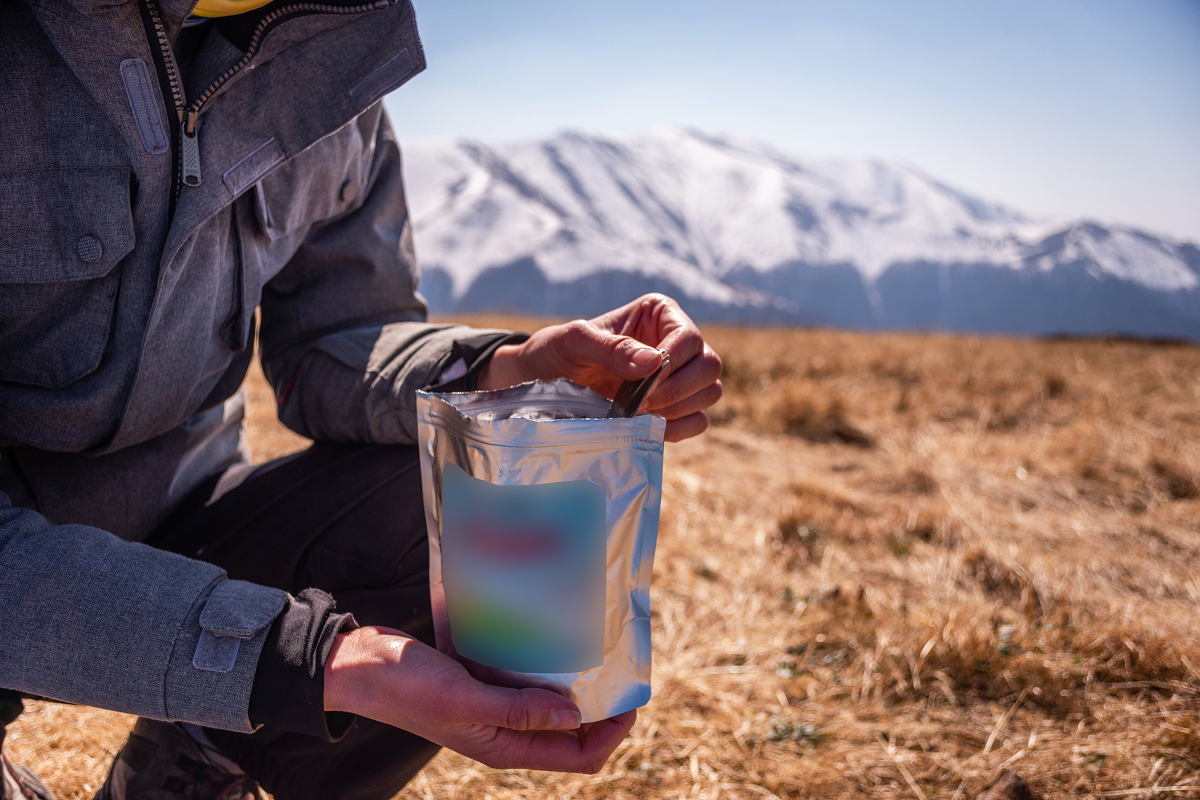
[542,519]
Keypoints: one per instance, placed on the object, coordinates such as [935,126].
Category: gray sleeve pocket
[235,610]
[144,102]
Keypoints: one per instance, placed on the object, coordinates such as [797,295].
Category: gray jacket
[127,316]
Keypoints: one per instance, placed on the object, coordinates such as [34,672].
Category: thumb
[527,709]
[623,356]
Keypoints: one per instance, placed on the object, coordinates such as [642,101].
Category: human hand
[619,346]
[388,676]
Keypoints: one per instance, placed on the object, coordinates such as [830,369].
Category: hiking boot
[174,761]
[18,783]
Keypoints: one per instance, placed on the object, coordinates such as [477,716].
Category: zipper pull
[190,149]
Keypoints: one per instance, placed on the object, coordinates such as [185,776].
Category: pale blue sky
[1059,107]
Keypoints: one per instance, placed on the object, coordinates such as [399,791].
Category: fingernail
[562,719]
[644,356]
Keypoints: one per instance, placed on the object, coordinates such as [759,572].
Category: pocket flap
[241,609]
[64,225]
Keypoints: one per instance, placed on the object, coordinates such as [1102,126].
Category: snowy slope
[575,223]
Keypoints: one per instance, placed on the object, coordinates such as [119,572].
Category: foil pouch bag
[543,518]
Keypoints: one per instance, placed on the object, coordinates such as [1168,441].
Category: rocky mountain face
[739,232]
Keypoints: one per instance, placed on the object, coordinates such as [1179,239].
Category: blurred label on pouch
[524,572]
[542,518]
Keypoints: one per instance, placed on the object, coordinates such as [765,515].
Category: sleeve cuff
[460,370]
[289,685]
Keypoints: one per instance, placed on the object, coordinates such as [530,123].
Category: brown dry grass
[896,564]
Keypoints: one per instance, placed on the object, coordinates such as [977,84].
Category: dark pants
[347,519]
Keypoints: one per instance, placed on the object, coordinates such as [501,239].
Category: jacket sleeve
[345,341]
[88,618]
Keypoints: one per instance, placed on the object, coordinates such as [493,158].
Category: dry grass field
[896,565]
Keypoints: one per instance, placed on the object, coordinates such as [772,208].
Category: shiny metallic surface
[550,431]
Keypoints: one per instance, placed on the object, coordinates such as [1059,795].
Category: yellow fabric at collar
[226,8]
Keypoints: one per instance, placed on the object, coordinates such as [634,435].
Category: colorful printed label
[524,572]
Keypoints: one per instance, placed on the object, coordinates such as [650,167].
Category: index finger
[586,751]
[659,321]
[494,676]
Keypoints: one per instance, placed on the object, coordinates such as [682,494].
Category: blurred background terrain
[895,565]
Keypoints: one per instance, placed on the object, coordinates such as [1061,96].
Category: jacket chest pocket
[62,235]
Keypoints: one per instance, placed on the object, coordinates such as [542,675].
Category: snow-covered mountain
[737,231]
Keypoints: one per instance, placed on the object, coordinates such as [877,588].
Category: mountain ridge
[741,232]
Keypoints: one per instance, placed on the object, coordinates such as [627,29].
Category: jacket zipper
[189,142]
[175,84]
[231,328]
